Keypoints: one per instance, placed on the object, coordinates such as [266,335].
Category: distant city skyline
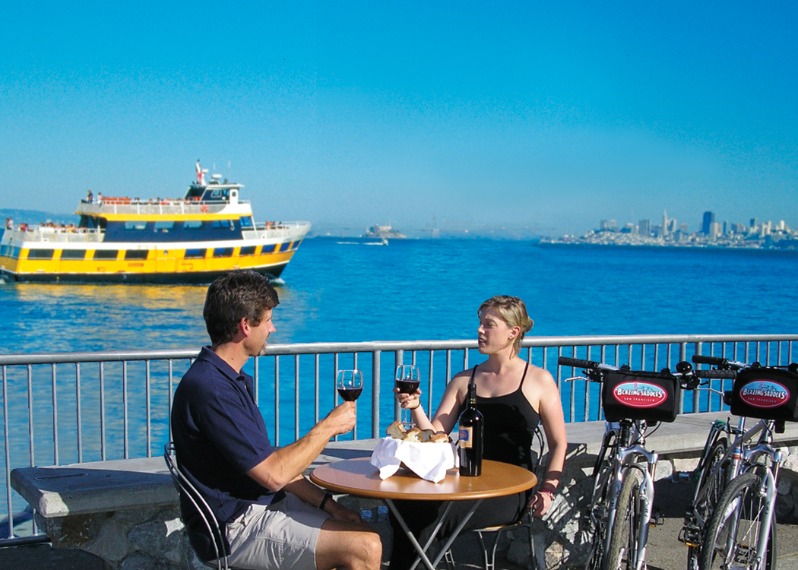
[530,117]
[706,225]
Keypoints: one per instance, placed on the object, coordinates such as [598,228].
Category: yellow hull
[164,263]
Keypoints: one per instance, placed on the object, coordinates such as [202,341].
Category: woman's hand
[408,401]
[541,502]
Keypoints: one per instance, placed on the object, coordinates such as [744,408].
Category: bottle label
[465,439]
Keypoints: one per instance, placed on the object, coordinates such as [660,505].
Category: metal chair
[525,521]
[189,493]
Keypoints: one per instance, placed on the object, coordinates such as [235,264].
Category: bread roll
[439,437]
[413,434]
[396,430]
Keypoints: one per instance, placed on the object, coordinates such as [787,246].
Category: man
[272,516]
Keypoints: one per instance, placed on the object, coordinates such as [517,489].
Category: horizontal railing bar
[388,346]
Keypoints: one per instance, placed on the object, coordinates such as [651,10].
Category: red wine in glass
[350,394]
[407,386]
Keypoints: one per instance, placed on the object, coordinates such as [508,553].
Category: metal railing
[65,408]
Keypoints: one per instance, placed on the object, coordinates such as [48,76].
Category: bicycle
[621,504]
[741,531]
[711,474]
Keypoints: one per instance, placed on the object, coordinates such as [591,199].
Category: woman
[513,396]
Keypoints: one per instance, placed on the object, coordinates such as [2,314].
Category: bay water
[344,290]
[340,290]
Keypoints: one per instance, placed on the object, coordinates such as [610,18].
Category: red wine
[350,394]
[469,442]
[407,386]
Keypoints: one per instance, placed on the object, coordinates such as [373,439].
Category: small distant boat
[207,232]
[385,232]
[362,241]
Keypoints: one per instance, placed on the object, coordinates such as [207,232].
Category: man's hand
[341,419]
[342,513]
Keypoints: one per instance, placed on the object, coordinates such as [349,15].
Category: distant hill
[36,216]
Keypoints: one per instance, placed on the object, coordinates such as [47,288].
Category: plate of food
[425,452]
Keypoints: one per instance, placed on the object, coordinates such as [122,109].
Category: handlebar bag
[640,396]
[765,393]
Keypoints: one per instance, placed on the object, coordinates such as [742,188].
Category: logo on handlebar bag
[764,394]
[639,394]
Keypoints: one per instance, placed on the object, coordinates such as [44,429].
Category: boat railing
[276,229]
[127,206]
[63,408]
[55,233]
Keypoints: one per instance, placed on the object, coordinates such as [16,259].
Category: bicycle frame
[609,474]
[747,460]
[763,461]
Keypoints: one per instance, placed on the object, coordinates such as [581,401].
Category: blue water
[430,290]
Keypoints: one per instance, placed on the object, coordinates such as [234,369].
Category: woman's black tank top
[510,424]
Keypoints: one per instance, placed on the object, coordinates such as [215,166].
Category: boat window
[40,254]
[136,254]
[135,225]
[9,251]
[248,250]
[195,253]
[73,254]
[192,224]
[223,252]
[222,224]
[246,222]
[164,226]
[106,254]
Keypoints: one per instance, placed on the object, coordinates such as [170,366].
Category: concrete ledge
[95,487]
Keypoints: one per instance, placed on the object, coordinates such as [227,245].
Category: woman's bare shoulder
[461,378]
[542,381]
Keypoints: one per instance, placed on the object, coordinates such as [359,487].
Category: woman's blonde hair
[512,311]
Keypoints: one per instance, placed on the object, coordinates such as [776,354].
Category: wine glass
[407,381]
[349,384]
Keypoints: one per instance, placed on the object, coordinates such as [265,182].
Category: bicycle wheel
[710,485]
[734,529]
[624,537]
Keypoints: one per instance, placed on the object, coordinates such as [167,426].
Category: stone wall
[130,539]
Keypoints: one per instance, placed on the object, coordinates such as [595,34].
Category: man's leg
[293,534]
[348,546]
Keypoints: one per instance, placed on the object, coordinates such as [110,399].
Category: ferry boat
[209,231]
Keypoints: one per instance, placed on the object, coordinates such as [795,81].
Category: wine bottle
[471,432]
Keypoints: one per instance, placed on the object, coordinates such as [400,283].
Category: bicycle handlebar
[587,364]
[718,373]
[688,377]
[719,361]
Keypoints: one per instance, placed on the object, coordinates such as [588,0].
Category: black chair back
[189,495]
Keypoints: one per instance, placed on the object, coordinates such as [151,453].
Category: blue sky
[545,116]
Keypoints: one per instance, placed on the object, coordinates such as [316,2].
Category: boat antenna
[200,174]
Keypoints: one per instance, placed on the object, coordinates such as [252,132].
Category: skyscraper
[706,226]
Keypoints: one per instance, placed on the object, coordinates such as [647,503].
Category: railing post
[375,393]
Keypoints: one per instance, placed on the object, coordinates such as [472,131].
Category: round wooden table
[359,477]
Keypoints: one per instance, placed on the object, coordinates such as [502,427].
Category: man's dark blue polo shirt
[219,434]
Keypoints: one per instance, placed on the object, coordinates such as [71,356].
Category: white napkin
[427,460]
